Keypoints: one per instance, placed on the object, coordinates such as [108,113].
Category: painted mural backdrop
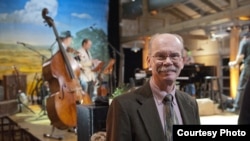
[26,41]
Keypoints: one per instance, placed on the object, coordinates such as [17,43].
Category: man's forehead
[167,38]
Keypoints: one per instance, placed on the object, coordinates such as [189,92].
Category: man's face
[166,59]
[68,41]
[87,44]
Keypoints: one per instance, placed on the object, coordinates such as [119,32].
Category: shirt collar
[158,94]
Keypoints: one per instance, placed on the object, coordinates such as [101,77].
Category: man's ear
[149,61]
[182,61]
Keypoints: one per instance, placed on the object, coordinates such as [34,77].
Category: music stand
[108,71]
[98,67]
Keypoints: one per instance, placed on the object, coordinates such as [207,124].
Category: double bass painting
[28,28]
[67,91]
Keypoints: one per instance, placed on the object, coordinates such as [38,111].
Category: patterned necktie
[167,101]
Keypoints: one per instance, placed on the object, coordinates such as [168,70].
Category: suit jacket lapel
[149,114]
[183,106]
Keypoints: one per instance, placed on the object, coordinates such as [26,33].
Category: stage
[33,126]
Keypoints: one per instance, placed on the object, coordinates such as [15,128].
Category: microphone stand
[42,56]
[42,79]
[121,68]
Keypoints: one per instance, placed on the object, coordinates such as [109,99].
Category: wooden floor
[38,124]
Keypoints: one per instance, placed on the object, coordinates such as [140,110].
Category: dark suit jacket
[244,115]
[134,116]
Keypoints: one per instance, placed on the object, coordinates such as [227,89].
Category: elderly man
[140,115]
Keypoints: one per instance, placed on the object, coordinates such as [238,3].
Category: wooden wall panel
[11,86]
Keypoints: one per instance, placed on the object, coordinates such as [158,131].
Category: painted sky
[21,20]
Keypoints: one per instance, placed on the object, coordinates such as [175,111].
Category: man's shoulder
[134,94]
[184,95]
[246,43]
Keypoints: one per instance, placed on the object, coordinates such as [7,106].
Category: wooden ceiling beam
[176,12]
[211,5]
[191,24]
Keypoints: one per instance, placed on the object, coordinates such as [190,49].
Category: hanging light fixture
[135,48]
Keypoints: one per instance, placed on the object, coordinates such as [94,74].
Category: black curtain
[114,37]
[132,60]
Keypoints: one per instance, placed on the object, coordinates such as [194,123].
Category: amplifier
[90,119]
